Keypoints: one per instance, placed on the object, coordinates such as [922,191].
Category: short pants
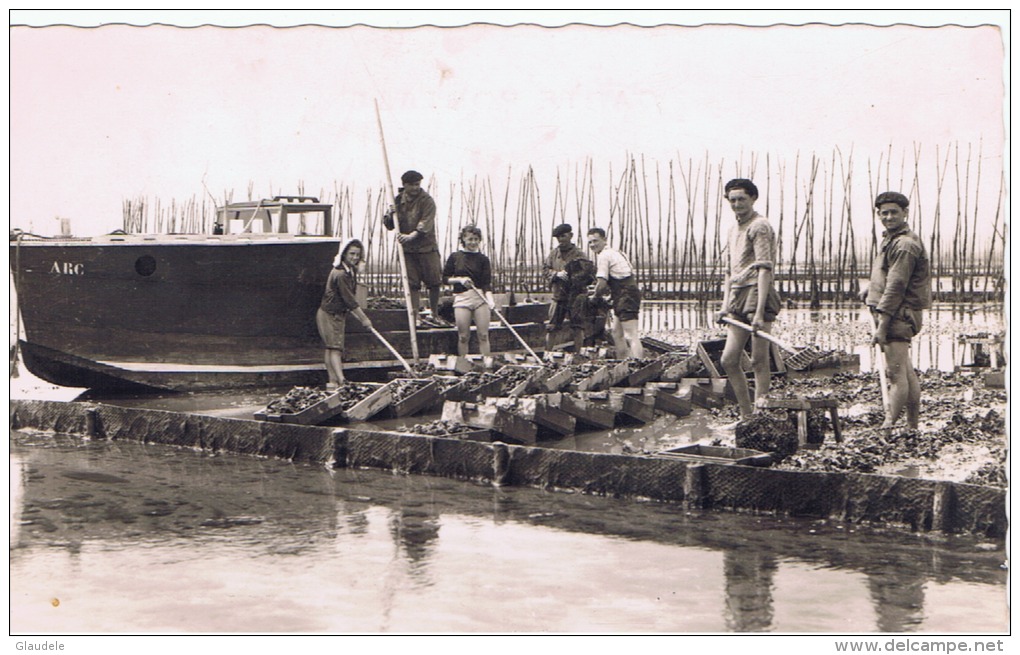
[423,267]
[625,298]
[471,299]
[744,304]
[905,324]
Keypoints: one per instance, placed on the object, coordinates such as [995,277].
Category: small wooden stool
[984,347]
[801,406]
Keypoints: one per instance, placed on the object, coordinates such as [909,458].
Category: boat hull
[202,313]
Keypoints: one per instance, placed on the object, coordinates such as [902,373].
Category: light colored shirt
[750,246]
[611,263]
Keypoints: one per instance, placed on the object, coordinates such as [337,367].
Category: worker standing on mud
[566,258]
[614,272]
[749,295]
[416,223]
[898,292]
[470,273]
[338,300]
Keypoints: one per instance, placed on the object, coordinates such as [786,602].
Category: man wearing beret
[749,293]
[899,289]
[416,220]
[565,287]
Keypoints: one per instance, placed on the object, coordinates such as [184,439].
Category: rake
[798,359]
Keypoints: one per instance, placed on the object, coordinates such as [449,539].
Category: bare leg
[760,363]
[904,387]
[463,318]
[415,300]
[335,365]
[550,325]
[736,339]
[578,339]
[913,396]
[434,301]
[619,341]
[633,339]
[482,316]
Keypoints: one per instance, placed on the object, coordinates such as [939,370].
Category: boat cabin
[297,215]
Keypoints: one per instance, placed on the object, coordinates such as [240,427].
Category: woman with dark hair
[338,300]
[470,273]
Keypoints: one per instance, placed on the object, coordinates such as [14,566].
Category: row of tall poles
[671,220]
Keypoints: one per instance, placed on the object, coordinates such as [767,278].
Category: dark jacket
[557,261]
[414,214]
[900,274]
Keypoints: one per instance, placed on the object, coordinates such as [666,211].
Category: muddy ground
[961,436]
[962,433]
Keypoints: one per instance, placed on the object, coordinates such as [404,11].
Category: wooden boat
[207,311]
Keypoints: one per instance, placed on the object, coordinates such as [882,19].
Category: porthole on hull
[145,265]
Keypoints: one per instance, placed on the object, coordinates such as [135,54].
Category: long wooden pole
[508,326]
[412,312]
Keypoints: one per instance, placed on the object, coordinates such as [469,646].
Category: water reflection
[749,590]
[415,531]
[898,600]
[846,328]
[235,544]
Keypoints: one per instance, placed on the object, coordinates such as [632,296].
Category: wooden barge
[207,311]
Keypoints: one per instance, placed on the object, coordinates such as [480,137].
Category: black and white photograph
[509,324]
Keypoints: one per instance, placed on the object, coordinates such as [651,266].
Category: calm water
[124,537]
[127,537]
[837,328]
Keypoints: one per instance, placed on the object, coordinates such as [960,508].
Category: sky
[102,114]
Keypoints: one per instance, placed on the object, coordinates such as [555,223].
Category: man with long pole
[413,216]
[412,311]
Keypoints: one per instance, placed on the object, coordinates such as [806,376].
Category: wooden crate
[625,403]
[659,347]
[370,405]
[538,410]
[665,398]
[583,410]
[619,371]
[708,396]
[553,380]
[525,386]
[543,379]
[331,407]
[645,374]
[683,369]
[421,400]
[596,381]
[720,455]
[489,417]
[320,412]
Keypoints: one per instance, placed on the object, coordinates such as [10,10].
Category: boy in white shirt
[613,271]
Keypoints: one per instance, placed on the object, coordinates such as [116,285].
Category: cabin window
[145,265]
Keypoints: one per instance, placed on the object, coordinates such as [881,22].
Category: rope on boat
[254,214]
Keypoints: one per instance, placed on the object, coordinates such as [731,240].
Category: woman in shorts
[470,273]
[339,300]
